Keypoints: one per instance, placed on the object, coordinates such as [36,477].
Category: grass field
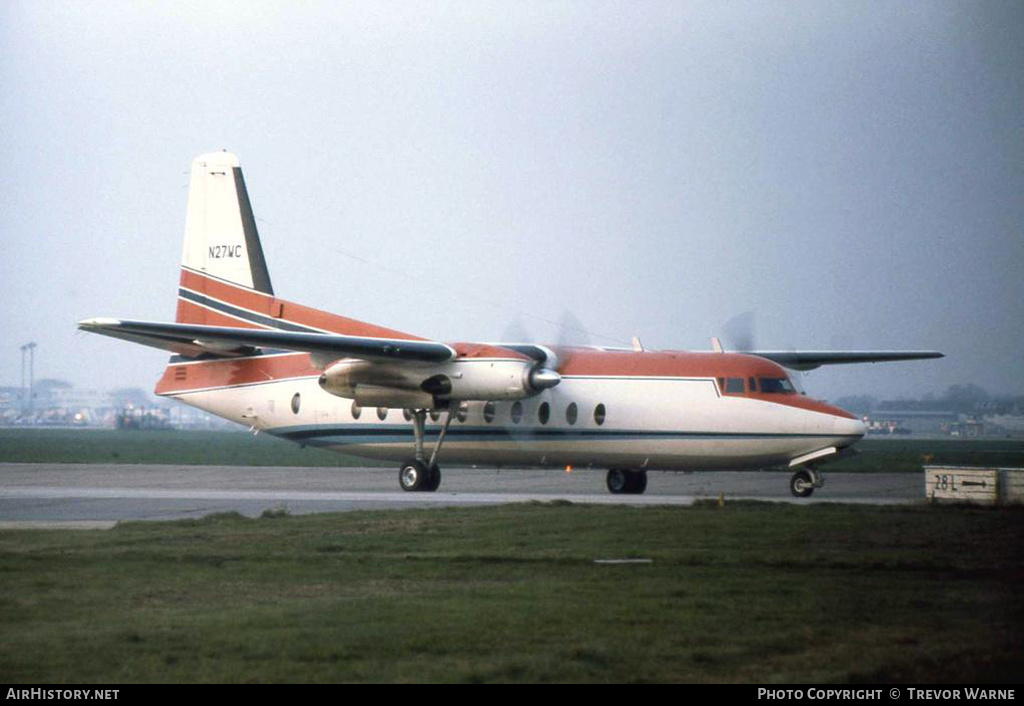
[238,448]
[211,448]
[745,593]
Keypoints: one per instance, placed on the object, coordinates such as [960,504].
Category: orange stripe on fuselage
[581,361]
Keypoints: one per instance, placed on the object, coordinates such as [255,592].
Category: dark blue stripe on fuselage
[385,433]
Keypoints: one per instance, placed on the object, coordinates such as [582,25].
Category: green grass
[239,448]
[207,448]
[911,455]
[744,593]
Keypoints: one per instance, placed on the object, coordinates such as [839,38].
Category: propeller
[571,331]
[740,335]
[738,332]
[549,357]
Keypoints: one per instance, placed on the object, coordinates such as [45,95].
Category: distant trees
[134,396]
[858,404]
[968,399]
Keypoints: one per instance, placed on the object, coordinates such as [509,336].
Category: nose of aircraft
[853,428]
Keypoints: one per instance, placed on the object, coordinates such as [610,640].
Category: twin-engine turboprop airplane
[317,378]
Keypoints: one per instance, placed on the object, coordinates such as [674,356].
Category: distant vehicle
[885,426]
[317,378]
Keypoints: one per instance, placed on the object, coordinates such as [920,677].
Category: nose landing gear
[804,481]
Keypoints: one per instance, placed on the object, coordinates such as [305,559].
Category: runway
[100,495]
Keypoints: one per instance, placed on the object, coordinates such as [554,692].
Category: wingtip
[98,322]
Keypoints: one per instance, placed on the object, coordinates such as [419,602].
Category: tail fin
[221,241]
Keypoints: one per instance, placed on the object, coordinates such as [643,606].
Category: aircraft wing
[193,340]
[809,360]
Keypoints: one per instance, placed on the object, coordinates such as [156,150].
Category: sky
[845,175]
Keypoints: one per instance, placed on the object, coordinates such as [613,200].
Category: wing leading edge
[809,360]
[193,340]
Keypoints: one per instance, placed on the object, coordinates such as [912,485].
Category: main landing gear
[623,481]
[804,481]
[420,474]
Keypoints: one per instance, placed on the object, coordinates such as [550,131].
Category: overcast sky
[852,173]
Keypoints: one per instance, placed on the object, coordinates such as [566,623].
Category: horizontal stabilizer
[193,340]
[809,360]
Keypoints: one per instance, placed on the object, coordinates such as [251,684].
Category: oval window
[489,412]
[407,413]
[435,414]
[356,410]
[570,413]
[544,413]
[599,414]
[382,413]
[296,401]
[462,412]
[517,412]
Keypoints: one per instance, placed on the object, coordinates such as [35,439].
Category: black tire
[414,476]
[801,485]
[433,479]
[617,481]
[621,481]
[640,482]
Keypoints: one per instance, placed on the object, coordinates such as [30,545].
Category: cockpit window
[734,386]
[776,386]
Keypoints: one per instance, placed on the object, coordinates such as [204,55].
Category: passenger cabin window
[778,386]
[599,413]
[489,412]
[570,413]
[517,412]
[544,413]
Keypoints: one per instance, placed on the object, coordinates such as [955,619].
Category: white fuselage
[647,422]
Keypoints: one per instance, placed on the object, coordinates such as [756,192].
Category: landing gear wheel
[621,481]
[417,475]
[433,479]
[801,484]
[414,476]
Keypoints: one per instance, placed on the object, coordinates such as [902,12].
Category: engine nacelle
[361,381]
[402,385]
[482,379]
[376,396]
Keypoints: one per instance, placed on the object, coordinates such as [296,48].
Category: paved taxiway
[97,495]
